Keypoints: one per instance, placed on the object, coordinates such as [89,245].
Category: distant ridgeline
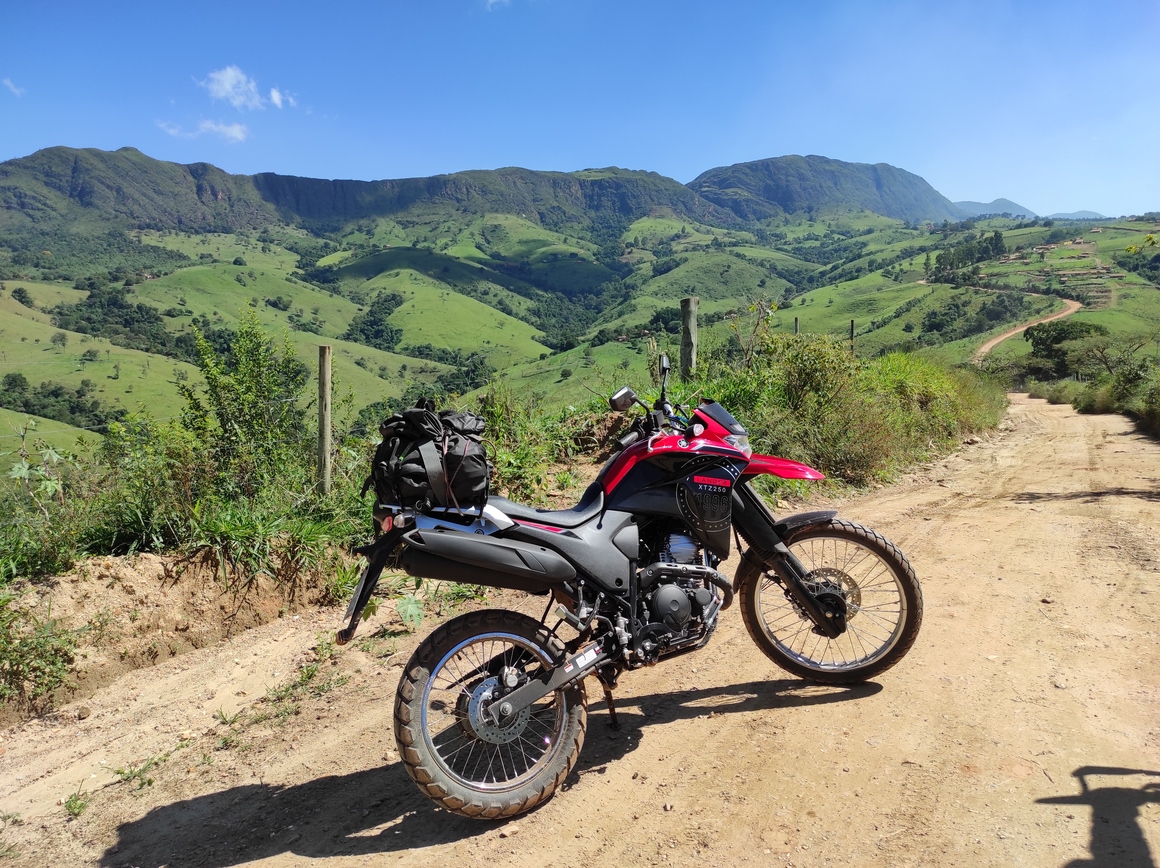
[97,190]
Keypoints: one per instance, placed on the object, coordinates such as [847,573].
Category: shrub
[806,397]
[36,654]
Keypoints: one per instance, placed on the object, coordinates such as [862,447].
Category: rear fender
[780,467]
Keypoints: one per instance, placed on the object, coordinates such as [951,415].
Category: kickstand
[612,721]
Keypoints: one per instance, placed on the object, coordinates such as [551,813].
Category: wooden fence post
[324,355]
[851,337]
[688,337]
[795,325]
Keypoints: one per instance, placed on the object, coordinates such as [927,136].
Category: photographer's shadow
[379,810]
[1117,841]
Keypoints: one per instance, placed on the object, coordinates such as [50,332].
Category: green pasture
[213,291]
[56,434]
[125,378]
[440,316]
[259,256]
[594,372]
[336,257]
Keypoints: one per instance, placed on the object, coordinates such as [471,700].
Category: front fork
[768,550]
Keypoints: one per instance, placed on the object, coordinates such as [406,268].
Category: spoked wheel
[850,568]
[454,751]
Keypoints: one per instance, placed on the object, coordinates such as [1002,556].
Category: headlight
[740,441]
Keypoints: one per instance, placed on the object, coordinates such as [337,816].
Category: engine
[680,591]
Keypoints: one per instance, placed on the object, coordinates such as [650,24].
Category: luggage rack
[484,519]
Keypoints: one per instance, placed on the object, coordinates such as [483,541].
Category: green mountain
[555,200]
[788,185]
[101,190]
[999,206]
[126,189]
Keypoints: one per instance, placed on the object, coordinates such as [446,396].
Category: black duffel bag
[429,459]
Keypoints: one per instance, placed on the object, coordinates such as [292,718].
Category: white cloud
[282,97]
[230,132]
[234,86]
[17,91]
[491,4]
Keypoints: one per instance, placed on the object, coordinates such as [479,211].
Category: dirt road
[1070,306]
[1023,728]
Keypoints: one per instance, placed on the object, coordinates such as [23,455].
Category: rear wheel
[453,750]
[877,586]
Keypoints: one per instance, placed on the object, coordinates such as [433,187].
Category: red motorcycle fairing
[661,445]
[780,467]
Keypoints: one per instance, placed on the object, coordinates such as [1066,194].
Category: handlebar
[628,439]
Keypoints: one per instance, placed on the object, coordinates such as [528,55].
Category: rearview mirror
[665,367]
[622,399]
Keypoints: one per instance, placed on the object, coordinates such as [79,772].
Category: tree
[1149,241]
[60,340]
[15,382]
[90,355]
[21,295]
[248,414]
[926,266]
[1047,341]
[1117,356]
[371,327]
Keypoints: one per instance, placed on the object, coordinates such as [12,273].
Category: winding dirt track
[1023,728]
[1070,306]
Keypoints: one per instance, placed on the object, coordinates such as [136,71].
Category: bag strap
[436,475]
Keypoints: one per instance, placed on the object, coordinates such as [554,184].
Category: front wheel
[882,599]
[453,750]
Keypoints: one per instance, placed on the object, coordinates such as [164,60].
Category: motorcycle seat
[590,505]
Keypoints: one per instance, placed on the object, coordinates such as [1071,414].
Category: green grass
[54,433]
[433,313]
[590,374]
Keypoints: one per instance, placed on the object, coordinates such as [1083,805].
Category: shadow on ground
[1117,841]
[379,810]
[1087,496]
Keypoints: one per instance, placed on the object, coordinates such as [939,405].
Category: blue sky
[1053,105]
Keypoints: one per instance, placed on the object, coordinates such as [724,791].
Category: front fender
[803,519]
[780,467]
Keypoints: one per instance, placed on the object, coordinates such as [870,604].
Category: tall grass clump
[806,397]
[525,440]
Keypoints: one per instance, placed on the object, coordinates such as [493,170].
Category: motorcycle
[490,712]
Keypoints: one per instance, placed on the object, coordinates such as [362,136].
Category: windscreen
[721,416]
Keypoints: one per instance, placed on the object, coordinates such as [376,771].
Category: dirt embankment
[1022,729]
